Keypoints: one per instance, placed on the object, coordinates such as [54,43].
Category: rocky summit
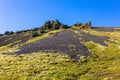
[54,25]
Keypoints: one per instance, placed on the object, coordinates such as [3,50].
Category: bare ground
[66,42]
[105,29]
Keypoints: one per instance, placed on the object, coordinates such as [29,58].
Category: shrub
[35,29]
[11,32]
[0,34]
[22,31]
[18,32]
[8,32]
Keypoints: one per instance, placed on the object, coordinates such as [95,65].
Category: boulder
[48,25]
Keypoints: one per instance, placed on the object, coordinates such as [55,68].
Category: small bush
[22,31]
[0,34]
[18,32]
[35,29]
[8,32]
[11,32]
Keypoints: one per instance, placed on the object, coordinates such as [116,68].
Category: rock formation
[79,26]
[54,25]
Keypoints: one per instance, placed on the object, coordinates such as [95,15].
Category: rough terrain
[63,42]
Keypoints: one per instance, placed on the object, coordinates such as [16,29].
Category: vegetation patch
[102,64]
[112,35]
[7,49]
[107,59]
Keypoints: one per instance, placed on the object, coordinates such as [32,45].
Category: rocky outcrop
[48,26]
[79,26]
[54,25]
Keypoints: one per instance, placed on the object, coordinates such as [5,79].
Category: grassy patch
[42,66]
[117,28]
[103,64]
[73,47]
[8,49]
[107,59]
[113,35]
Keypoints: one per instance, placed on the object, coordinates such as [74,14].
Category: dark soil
[7,39]
[66,42]
[103,29]
[98,39]
[63,42]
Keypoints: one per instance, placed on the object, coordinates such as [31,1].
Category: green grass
[42,66]
[108,55]
[103,64]
[106,59]
[112,35]
[8,49]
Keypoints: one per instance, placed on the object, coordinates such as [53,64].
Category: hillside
[56,51]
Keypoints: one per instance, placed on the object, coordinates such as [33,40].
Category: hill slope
[62,54]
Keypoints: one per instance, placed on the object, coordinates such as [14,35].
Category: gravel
[7,39]
[66,42]
[104,29]
[98,39]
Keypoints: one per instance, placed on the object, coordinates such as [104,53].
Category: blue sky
[25,14]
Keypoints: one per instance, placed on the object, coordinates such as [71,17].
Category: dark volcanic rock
[98,39]
[8,39]
[64,42]
[48,24]
[104,29]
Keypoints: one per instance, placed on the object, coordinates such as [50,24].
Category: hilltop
[56,51]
